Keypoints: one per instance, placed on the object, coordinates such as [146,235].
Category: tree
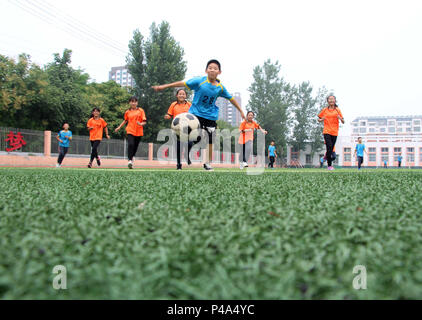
[303,117]
[271,100]
[159,60]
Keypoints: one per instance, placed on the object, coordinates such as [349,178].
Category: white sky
[369,52]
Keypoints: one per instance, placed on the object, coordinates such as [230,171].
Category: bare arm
[121,125]
[106,132]
[169,85]
[236,104]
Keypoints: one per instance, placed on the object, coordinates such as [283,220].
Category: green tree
[271,99]
[156,61]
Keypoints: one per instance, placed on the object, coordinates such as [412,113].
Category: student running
[207,90]
[272,154]
[330,115]
[176,108]
[96,125]
[360,148]
[64,137]
[136,120]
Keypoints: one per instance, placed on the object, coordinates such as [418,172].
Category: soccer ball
[186,126]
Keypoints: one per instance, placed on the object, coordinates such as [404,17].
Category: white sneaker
[207,167]
[245,164]
[58,165]
[130,164]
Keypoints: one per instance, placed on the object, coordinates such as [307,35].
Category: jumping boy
[207,90]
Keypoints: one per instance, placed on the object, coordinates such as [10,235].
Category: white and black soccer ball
[186,126]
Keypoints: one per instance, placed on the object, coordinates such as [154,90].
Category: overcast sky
[368,52]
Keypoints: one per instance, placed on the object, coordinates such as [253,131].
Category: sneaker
[99,161]
[179,167]
[90,165]
[245,164]
[207,167]
[331,168]
[189,162]
[58,165]
[130,164]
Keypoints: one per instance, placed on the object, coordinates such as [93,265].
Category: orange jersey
[331,121]
[247,136]
[132,117]
[178,108]
[97,132]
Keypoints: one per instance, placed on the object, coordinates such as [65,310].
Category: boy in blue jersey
[399,159]
[360,148]
[64,137]
[272,154]
[207,90]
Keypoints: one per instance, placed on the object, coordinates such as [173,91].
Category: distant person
[64,137]
[272,154]
[247,129]
[96,125]
[399,159]
[321,162]
[330,115]
[385,164]
[359,150]
[181,105]
[136,120]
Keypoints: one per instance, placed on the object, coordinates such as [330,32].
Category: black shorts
[209,126]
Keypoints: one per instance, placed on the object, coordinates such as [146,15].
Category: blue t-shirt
[206,94]
[359,149]
[399,158]
[321,159]
[64,136]
[271,151]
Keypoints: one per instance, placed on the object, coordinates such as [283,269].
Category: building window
[408,129]
[384,157]
[400,123]
[308,159]
[391,123]
[371,129]
[391,129]
[408,123]
[417,122]
[382,129]
[384,150]
[399,130]
[347,157]
[397,149]
[411,150]
[372,157]
[362,130]
[372,149]
[363,124]
[347,150]
[355,130]
[410,157]
[417,129]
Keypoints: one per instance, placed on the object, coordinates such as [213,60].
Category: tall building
[121,76]
[228,112]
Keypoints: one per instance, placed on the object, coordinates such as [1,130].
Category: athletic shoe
[130,164]
[99,161]
[189,162]
[245,164]
[58,165]
[90,165]
[331,168]
[179,167]
[207,167]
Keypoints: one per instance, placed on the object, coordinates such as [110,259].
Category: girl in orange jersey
[96,125]
[176,108]
[246,129]
[330,116]
[136,120]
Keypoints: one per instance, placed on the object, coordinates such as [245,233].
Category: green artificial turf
[163,234]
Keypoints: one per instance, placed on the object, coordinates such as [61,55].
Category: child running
[136,120]
[96,125]
[247,129]
[330,116]
[207,90]
[176,108]
[360,148]
[272,154]
[64,137]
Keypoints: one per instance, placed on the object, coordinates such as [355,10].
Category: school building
[385,139]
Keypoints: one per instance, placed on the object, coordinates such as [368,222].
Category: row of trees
[43,98]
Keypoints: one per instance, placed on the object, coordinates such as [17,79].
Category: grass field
[162,234]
